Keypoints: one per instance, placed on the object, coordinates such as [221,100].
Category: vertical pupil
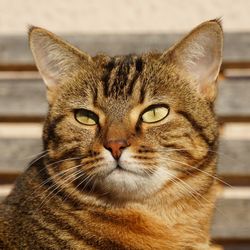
[88,115]
[154,112]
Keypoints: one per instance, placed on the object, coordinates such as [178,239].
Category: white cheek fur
[132,182]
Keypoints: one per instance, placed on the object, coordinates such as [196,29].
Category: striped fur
[75,196]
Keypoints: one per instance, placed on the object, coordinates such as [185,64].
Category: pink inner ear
[204,69]
[201,57]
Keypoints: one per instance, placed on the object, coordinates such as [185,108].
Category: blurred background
[130,26]
[122,16]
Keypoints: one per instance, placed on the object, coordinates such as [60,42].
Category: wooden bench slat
[14,49]
[234,98]
[22,98]
[27,99]
[17,152]
[234,158]
[232,219]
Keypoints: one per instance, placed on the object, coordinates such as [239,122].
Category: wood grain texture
[234,158]
[14,49]
[22,98]
[234,98]
[232,219]
[16,153]
[26,98]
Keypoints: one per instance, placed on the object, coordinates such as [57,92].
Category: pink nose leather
[116,147]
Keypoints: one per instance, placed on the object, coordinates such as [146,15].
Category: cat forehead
[118,83]
[121,76]
[115,75]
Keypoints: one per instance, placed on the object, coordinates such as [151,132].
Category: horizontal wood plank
[232,219]
[26,99]
[22,98]
[14,49]
[233,99]
[234,157]
[16,153]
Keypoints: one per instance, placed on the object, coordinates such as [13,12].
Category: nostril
[122,147]
[116,147]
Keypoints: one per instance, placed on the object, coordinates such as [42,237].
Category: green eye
[154,114]
[86,117]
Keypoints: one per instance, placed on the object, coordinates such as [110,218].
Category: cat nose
[116,147]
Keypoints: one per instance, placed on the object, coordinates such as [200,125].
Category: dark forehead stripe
[121,74]
[120,77]
[106,77]
[138,70]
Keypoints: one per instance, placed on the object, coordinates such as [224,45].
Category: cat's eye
[154,114]
[86,117]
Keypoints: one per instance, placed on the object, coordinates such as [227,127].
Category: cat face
[125,127]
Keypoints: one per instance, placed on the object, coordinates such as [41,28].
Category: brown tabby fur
[90,207]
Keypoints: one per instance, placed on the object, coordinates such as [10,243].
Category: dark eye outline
[88,113]
[159,105]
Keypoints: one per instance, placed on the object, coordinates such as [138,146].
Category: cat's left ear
[56,59]
[199,56]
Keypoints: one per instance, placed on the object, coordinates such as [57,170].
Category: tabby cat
[129,149]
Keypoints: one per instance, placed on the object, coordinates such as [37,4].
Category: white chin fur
[131,182]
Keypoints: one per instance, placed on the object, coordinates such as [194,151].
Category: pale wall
[110,16]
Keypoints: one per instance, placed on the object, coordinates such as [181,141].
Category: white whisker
[200,170]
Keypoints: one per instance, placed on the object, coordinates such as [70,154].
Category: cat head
[127,126]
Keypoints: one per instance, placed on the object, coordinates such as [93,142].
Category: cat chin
[124,185]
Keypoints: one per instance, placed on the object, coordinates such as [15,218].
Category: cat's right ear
[56,59]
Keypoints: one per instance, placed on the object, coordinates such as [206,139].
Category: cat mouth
[120,169]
